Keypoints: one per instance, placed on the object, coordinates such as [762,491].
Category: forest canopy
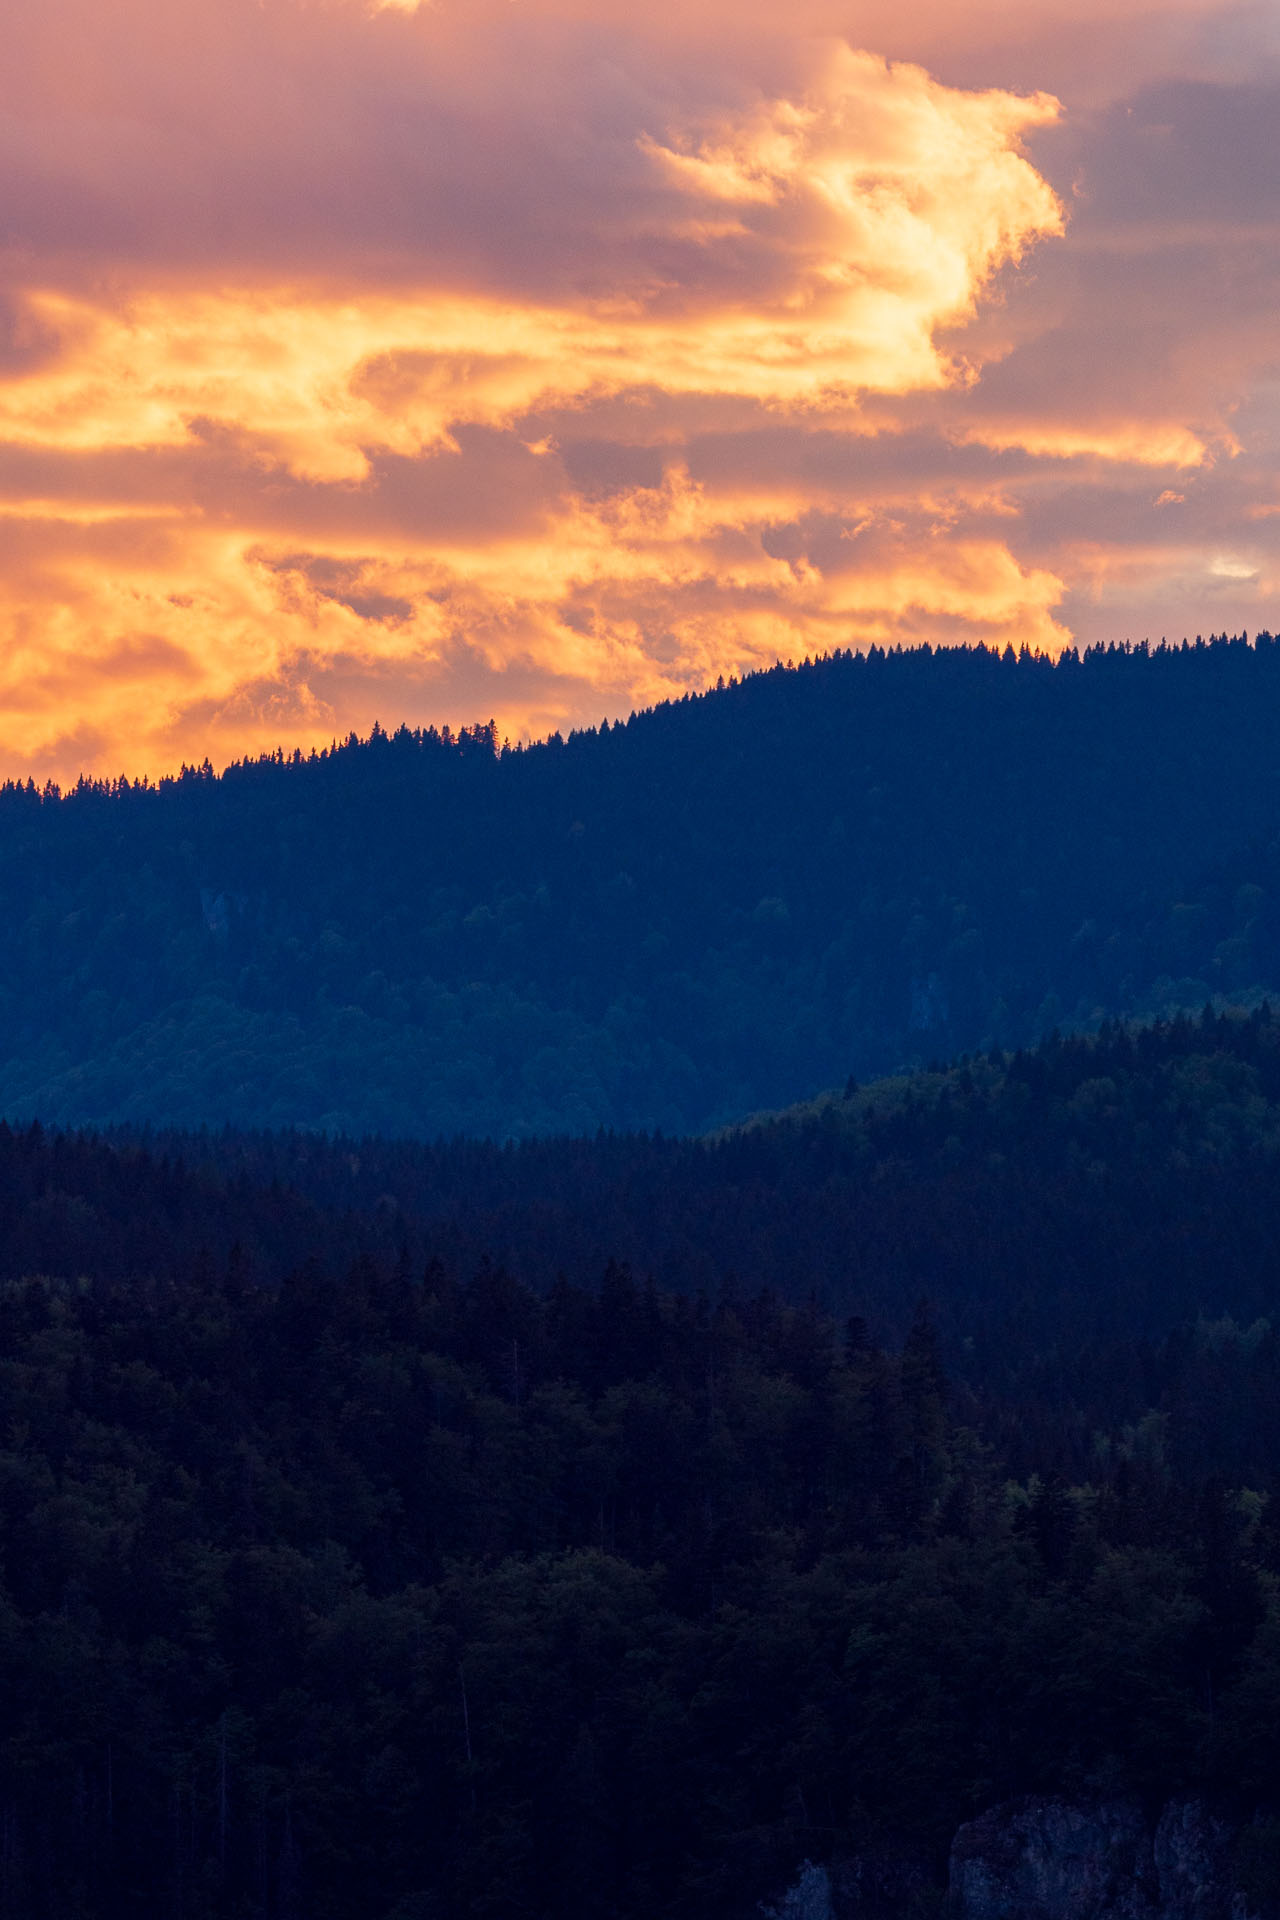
[857,864]
[348,1570]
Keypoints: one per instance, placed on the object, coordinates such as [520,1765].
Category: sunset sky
[542,358]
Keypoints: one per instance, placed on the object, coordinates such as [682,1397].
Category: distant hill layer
[856,864]
[1061,1210]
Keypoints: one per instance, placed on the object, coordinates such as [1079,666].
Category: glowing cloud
[813,249]
[361,359]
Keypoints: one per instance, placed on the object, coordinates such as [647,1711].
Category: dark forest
[347,1570]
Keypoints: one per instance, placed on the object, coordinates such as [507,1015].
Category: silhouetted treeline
[350,1568]
[1061,1208]
[718,907]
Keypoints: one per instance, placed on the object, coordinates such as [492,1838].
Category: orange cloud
[369,360]
[597,605]
[317,433]
[880,206]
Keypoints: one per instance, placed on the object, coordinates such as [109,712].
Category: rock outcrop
[808,1898]
[1056,1859]
[1041,1859]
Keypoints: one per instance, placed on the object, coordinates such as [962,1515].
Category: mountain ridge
[858,863]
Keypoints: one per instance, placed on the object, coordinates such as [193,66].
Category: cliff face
[1050,1859]
[1043,1859]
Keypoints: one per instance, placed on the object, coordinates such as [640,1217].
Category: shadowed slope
[730,901]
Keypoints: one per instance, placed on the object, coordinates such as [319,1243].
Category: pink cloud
[540,359]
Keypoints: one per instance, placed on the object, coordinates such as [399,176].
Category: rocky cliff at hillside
[1041,1859]
[1052,1859]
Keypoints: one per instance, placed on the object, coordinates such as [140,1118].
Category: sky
[541,359]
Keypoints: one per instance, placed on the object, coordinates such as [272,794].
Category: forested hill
[1061,1210]
[344,1571]
[720,906]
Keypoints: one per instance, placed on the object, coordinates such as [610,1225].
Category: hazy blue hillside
[723,905]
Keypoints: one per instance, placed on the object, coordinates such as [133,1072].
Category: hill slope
[347,1574]
[1062,1210]
[716,908]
